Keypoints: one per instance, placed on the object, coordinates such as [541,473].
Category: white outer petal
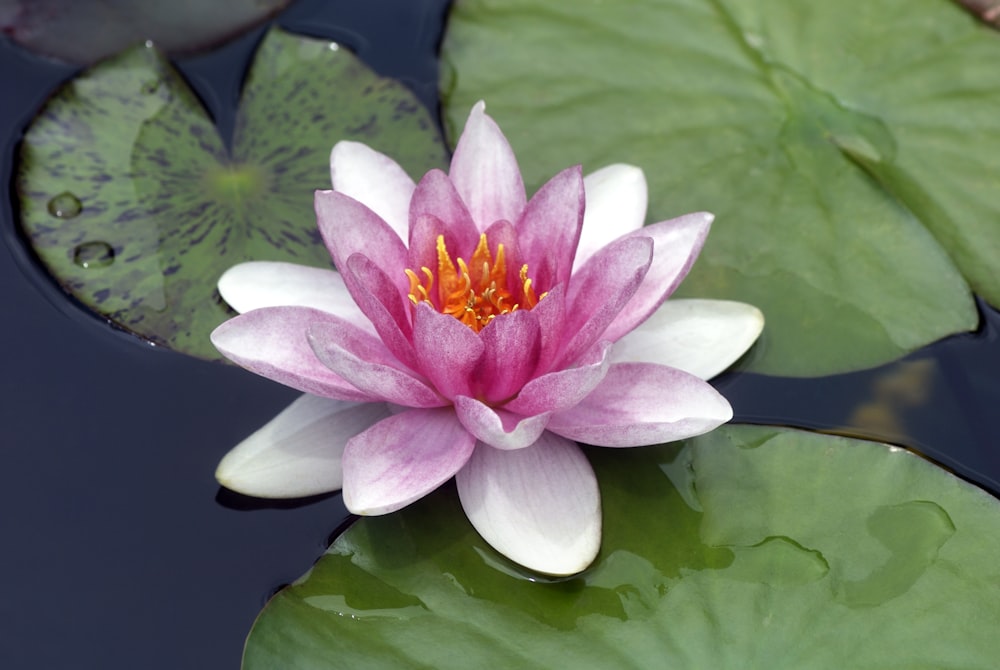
[257,284]
[374,180]
[298,453]
[702,337]
[617,196]
[538,506]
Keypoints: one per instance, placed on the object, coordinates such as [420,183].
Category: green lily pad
[750,547]
[851,150]
[132,201]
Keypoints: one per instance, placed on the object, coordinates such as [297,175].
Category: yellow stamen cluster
[474,293]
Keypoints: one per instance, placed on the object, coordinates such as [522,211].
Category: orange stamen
[474,296]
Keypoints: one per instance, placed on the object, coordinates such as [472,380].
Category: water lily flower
[473,333]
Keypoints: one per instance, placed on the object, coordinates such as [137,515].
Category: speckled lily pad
[749,547]
[850,149]
[132,201]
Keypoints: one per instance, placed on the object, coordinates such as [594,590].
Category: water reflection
[939,402]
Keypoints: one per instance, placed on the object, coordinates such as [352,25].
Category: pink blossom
[475,334]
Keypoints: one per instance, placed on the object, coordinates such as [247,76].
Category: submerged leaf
[84,31]
[851,150]
[748,547]
[132,201]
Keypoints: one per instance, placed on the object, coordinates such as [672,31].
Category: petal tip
[364,507]
[230,474]
[220,335]
[539,507]
[707,217]
[563,561]
[573,561]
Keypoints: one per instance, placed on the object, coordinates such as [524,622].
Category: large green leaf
[747,548]
[851,149]
[133,202]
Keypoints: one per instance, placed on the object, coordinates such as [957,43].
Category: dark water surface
[118,548]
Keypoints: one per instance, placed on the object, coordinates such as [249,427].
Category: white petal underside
[702,337]
[539,506]
[298,452]
[258,284]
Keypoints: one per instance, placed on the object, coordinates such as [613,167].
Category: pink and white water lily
[473,333]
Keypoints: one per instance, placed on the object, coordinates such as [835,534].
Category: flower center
[475,292]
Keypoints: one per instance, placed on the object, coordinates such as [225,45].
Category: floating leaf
[84,31]
[851,150]
[133,202]
[747,548]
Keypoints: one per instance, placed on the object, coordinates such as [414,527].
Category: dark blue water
[940,401]
[119,550]
[117,547]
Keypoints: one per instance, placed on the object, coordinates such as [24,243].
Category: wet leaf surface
[851,150]
[749,547]
[135,205]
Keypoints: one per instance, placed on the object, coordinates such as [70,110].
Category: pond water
[119,548]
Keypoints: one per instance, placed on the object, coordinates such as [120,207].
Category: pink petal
[616,204]
[551,314]
[599,291]
[512,343]
[298,453]
[565,388]
[257,284]
[639,404]
[363,360]
[374,180]
[402,459]
[349,228]
[539,506]
[380,301]
[448,350]
[437,209]
[549,229]
[703,337]
[676,245]
[485,171]
[502,232]
[272,343]
[498,428]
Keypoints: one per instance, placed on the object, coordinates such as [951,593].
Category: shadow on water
[937,401]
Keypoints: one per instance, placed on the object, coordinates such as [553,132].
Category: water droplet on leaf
[94,255]
[65,206]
